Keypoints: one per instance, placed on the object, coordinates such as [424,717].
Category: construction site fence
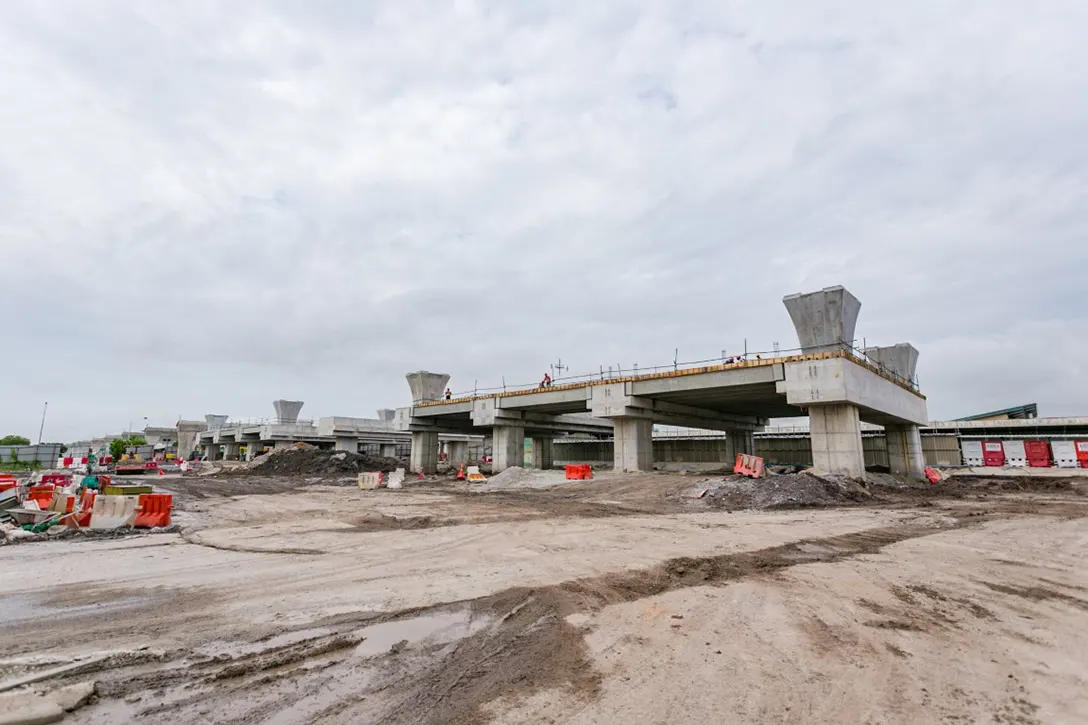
[617,371]
[45,454]
[937,450]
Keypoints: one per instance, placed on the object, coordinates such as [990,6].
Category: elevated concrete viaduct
[836,386]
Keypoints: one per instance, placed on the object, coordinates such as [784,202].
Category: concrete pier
[287,411]
[253,449]
[212,452]
[231,451]
[347,444]
[457,452]
[634,446]
[543,452]
[824,320]
[424,452]
[905,455]
[282,445]
[836,439]
[508,447]
[742,441]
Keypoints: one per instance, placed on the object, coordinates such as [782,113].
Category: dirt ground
[630,598]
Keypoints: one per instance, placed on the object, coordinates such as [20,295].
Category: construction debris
[316,462]
[794,490]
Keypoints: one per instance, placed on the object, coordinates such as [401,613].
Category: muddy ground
[649,598]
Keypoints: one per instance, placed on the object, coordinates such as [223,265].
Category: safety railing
[724,362]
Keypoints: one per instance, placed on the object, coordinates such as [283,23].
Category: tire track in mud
[524,645]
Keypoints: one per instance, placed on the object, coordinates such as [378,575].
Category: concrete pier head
[901,360]
[287,411]
[427,386]
[824,320]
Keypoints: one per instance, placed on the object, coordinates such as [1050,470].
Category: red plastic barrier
[579,472]
[42,493]
[6,485]
[993,454]
[747,465]
[57,479]
[153,510]
[1038,454]
[933,475]
[1082,453]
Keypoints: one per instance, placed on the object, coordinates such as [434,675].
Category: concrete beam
[287,411]
[427,386]
[824,320]
[703,381]
[615,400]
[841,380]
[901,359]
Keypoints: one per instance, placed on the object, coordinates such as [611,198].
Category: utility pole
[42,429]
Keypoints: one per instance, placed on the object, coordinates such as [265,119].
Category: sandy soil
[624,599]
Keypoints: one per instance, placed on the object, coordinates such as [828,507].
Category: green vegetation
[117,447]
[14,440]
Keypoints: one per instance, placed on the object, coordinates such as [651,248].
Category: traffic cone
[420,475]
[461,473]
[161,473]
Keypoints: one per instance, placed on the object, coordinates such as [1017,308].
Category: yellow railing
[764,362]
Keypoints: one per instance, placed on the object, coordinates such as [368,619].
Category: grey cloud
[229,205]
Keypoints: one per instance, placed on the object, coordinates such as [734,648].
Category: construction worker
[449,395]
[547,381]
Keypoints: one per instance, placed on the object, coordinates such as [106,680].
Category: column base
[633,449]
[508,448]
[424,452]
[905,456]
[836,440]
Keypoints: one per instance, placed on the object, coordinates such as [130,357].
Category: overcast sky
[205,205]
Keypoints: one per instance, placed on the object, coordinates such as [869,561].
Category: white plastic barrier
[475,475]
[369,481]
[113,512]
[396,479]
[1015,455]
[972,453]
[1065,454]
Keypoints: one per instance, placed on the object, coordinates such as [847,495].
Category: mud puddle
[433,628]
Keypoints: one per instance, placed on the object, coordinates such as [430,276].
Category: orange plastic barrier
[746,465]
[579,472]
[933,475]
[86,506]
[154,510]
[43,494]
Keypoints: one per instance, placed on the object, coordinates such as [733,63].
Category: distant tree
[63,449]
[14,440]
[117,447]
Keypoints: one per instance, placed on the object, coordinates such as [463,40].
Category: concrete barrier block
[369,481]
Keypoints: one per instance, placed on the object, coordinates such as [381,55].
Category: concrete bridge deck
[833,384]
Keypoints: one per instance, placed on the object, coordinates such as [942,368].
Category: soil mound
[793,490]
[317,462]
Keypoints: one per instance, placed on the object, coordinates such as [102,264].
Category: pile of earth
[791,490]
[317,462]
